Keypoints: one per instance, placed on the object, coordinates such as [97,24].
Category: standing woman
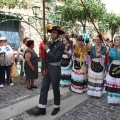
[6,61]
[66,63]
[96,73]
[79,70]
[113,77]
[21,52]
[31,65]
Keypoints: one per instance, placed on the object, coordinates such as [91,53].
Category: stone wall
[26,30]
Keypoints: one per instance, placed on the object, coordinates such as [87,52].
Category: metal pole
[44,29]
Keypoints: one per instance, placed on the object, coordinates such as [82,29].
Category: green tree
[114,23]
[13,3]
[74,11]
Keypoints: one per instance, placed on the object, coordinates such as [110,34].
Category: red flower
[58,29]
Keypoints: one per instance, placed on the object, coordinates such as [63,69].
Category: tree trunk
[112,34]
[84,28]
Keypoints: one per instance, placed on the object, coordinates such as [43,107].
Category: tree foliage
[114,22]
[13,3]
[74,11]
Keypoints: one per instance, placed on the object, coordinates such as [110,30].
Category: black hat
[80,38]
[56,28]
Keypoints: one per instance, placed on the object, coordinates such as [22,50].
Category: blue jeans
[42,64]
[4,69]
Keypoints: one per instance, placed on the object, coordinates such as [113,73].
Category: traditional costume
[96,73]
[53,60]
[79,70]
[66,67]
[113,77]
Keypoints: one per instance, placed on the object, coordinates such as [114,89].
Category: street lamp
[107,26]
[48,6]
[36,10]
[100,24]
[58,15]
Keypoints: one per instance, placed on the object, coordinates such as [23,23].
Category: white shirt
[8,54]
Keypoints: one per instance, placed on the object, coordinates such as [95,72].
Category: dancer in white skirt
[113,77]
[96,73]
[66,63]
[79,69]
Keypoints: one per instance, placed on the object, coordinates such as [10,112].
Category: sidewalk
[12,94]
[74,107]
[17,103]
[23,110]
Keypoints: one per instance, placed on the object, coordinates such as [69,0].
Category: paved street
[12,94]
[93,109]
[19,103]
[90,109]
[80,34]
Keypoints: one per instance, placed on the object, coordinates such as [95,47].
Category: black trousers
[52,76]
[4,69]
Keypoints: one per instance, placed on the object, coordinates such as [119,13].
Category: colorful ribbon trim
[112,85]
[79,73]
[95,78]
[79,80]
[94,89]
[81,59]
[79,88]
[113,95]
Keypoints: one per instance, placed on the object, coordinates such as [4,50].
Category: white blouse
[8,54]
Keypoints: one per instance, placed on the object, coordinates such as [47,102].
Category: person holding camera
[6,61]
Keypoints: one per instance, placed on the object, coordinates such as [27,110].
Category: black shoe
[34,86]
[55,111]
[40,111]
[29,88]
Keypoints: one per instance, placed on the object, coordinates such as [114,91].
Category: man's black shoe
[40,111]
[55,111]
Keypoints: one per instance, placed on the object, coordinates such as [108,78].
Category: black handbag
[2,61]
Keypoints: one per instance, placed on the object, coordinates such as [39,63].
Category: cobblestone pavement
[93,109]
[12,94]
[28,113]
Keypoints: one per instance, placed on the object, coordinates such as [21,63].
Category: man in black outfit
[54,51]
